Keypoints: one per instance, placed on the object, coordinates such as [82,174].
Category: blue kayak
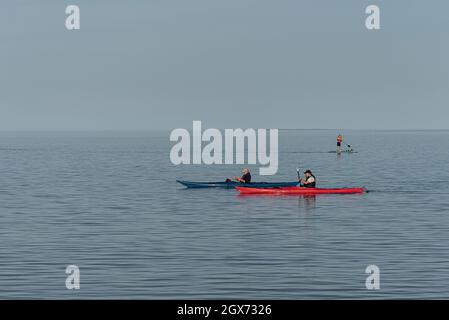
[233,184]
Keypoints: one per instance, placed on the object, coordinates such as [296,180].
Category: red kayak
[298,191]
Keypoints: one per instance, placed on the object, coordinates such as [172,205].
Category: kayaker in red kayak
[309,181]
[246,177]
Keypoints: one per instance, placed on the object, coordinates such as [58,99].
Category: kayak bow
[299,191]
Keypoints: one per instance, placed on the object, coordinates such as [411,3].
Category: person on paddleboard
[246,177]
[339,141]
[309,181]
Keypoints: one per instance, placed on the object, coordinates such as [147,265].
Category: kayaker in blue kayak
[309,181]
[246,177]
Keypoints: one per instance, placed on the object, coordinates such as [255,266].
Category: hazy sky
[159,64]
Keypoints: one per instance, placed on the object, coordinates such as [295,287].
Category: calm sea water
[109,203]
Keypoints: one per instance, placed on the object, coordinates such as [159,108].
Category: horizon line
[169,129]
